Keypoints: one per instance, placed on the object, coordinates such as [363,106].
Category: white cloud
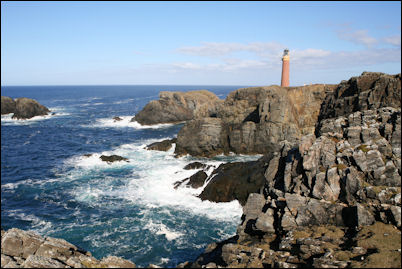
[360,37]
[393,40]
[187,65]
[214,49]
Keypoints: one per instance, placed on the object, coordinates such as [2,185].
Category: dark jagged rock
[112,158]
[195,181]
[27,249]
[194,165]
[7,105]
[235,181]
[368,91]
[26,108]
[164,145]
[173,107]
[115,119]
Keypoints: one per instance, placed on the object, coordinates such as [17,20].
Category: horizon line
[52,85]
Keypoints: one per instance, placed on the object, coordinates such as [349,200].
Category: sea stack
[285,69]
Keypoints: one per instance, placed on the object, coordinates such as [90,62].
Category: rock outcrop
[223,188]
[113,158]
[173,107]
[164,145]
[325,246]
[26,108]
[254,121]
[7,105]
[333,199]
[27,249]
[368,91]
[23,108]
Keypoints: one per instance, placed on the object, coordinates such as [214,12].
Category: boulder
[194,165]
[195,181]
[26,108]
[112,158]
[164,145]
[7,105]
[173,107]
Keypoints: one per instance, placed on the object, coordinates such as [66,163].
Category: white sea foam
[7,119]
[153,174]
[160,228]
[37,224]
[124,122]
[123,101]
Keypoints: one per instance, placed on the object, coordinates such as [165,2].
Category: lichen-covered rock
[323,246]
[116,262]
[175,107]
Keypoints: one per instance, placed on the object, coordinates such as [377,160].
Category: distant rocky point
[23,108]
[173,107]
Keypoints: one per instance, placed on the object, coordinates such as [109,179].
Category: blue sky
[197,43]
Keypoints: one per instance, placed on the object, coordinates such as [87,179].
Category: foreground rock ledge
[27,249]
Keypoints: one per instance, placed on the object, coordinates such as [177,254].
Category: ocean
[127,209]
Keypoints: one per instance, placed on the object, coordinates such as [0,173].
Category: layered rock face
[23,108]
[331,200]
[368,91]
[254,121]
[26,249]
[175,107]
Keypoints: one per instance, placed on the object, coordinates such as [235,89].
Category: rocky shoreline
[27,249]
[326,193]
[335,169]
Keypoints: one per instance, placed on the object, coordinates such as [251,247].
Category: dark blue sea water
[127,209]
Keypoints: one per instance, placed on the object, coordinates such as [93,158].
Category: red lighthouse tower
[285,69]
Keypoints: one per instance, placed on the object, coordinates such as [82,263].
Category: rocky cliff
[175,107]
[333,199]
[27,249]
[23,108]
[254,121]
